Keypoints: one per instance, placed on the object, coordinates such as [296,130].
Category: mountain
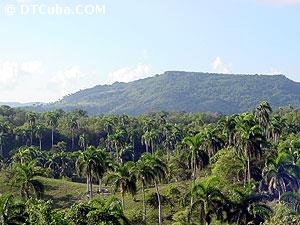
[185,91]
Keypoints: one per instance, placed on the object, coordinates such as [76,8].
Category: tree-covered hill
[185,91]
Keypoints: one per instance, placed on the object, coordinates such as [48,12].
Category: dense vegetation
[158,168]
[184,91]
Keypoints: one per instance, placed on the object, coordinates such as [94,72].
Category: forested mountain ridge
[185,91]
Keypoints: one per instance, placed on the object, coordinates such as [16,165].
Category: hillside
[185,91]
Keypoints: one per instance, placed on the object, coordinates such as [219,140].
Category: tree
[97,211]
[208,199]
[52,118]
[11,210]
[3,135]
[158,168]
[31,117]
[25,155]
[276,127]
[292,200]
[281,174]
[41,212]
[124,179]
[88,162]
[212,141]
[250,208]
[197,155]
[83,141]
[26,178]
[248,139]
[228,125]
[39,133]
[262,112]
[2,140]
[104,164]
[73,125]
[145,175]
[146,140]
[59,162]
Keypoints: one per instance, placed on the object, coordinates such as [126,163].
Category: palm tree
[146,140]
[39,132]
[281,174]
[158,168]
[154,138]
[31,117]
[2,140]
[12,211]
[123,178]
[292,200]
[262,113]
[248,139]
[145,175]
[208,199]
[118,140]
[228,125]
[52,118]
[197,155]
[107,212]
[59,163]
[25,155]
[276,126]
[26,177]
[250,208]
[3,134]
[104,164]
[73,127]
[212,140]
[83,141]
[88,162]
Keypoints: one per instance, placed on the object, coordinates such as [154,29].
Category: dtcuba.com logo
[54,9]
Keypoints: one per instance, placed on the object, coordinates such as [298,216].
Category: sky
[49,49]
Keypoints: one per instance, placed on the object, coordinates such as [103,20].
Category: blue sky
[44,57]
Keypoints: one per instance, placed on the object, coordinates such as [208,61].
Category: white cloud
[220,67]
[128,74]
[31,67]
[24,1]
[64,77]
[11,71]
[69,81]
[275,71]
[281,2]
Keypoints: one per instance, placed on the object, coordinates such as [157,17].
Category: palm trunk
[144,203]
[91,187]
[193,175]
[245,177]
[52,136]
[160,211]
[99,184]
[72,140]
[152,146]
[1,150]
[123,201]
[31,136]
[248,167]
[40,143]
[88,184]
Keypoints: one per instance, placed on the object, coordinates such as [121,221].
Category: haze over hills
[183,91]
[19,104]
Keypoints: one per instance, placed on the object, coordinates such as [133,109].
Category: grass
[64,193]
